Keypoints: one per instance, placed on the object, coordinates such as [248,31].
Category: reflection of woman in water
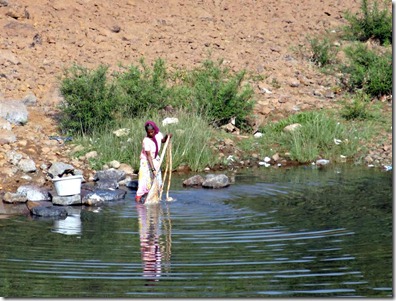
[151,245]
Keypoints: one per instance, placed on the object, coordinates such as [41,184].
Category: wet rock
[216,181]
[66,200]
[196,180]
[102,195]
[92,199]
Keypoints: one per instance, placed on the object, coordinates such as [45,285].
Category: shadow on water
[298,232]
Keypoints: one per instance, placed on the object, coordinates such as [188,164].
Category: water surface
[299,232]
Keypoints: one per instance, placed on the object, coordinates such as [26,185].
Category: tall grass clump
[320,135]
[371,23]
[88,100]
[191,142]
[368,70]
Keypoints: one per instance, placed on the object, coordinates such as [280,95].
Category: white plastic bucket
[68,185]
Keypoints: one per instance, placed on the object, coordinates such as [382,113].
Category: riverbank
[40,40]
[27,159]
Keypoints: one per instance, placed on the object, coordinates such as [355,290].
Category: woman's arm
[166,138]
[150,161]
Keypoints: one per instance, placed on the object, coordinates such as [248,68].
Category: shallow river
[300,232]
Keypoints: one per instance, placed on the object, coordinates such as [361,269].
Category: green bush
[142,89]
[368,71]
[210,90]
[358,108]
[372,23]
[88,100]
[323,51]
[219,95]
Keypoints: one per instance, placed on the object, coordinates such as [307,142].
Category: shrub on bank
[88,100]
[93,99]
[371,23]
[368,70]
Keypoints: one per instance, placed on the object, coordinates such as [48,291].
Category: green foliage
[190,142]
[219,95]
[88,100]
[321,135]
[372,23]
[301,118]
[323,51]
[358,108]
[368,71]
[142,89]
[211,91]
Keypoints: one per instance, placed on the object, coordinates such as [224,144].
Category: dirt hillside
[40,38]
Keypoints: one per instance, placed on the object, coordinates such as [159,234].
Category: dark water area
[287,233]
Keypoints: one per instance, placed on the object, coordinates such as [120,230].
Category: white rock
[170,120]
[121,132]
[115,164]
[337,141]
[322,162]
[291,127]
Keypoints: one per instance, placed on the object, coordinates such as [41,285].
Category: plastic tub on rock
[68,185]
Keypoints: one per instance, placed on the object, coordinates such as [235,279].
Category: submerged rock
[52,211]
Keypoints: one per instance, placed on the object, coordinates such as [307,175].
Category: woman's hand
[167,136]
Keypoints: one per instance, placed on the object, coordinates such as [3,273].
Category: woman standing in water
[150,159]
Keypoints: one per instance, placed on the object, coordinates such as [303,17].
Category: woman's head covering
[152,124]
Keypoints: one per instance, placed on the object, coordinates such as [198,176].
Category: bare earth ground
[40,38]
